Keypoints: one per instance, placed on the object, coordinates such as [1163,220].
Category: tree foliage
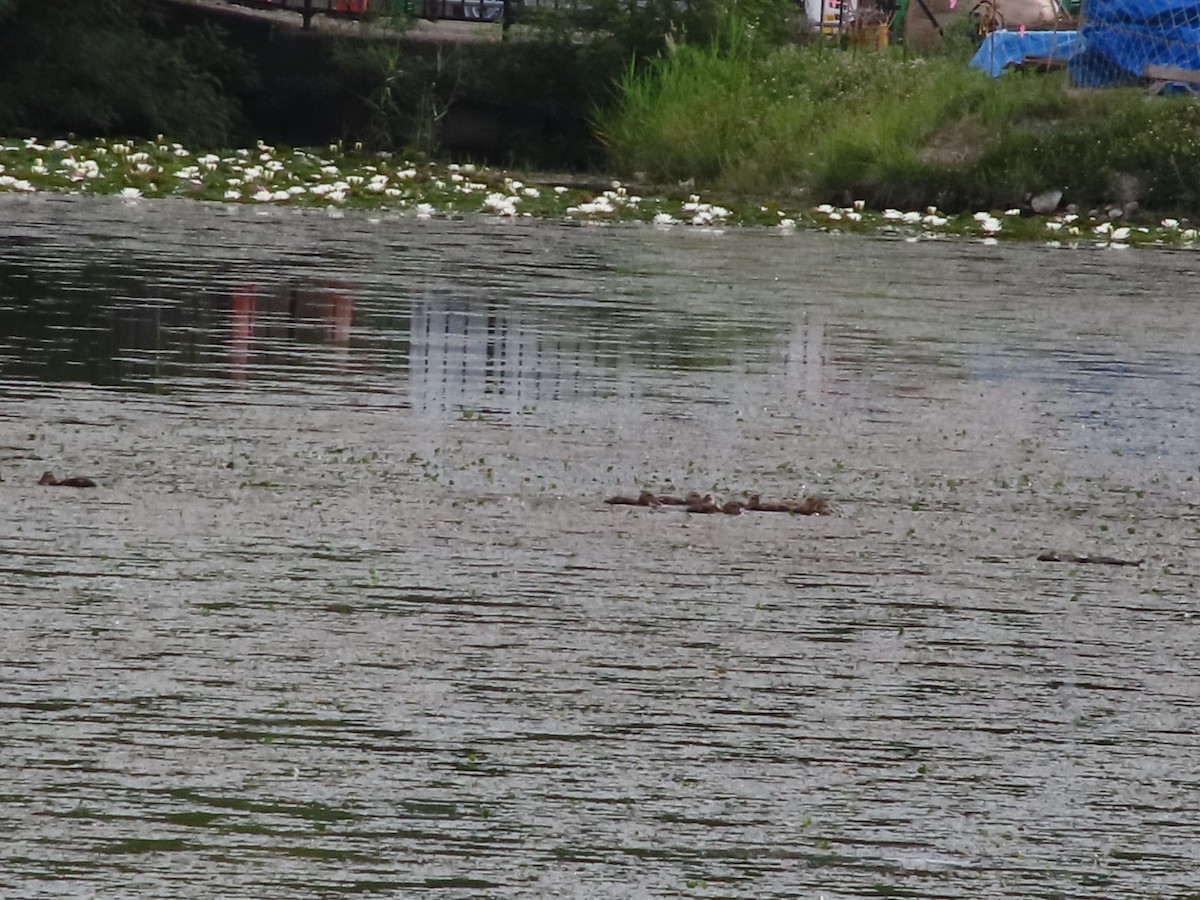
[114,67]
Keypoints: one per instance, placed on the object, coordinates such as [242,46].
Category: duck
[74,481]
[645,498]
[756,505]
[705,504]
[809,506]
[732,508]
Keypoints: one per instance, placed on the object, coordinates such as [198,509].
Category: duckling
[622,501]
[705,504]
[668,500]
[732,508]
[645,498]
[756,505]
[49,480]
[810,506]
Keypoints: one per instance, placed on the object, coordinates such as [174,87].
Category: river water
[347,614]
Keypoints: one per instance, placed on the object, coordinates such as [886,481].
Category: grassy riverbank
[335,180]
[898,130]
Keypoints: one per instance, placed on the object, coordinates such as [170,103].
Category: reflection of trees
[110,324]
[125,324]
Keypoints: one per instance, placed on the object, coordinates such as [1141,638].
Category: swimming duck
[732,508]
[809,506]
[645,498]
[705,504]
[49,480]
[756,505]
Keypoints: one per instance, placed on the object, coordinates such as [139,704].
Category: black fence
[460,10]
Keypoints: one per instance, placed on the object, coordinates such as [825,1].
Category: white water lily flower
[854,215]
[911,218]
[1121,234]
[392,192]
[337,195]
[296,190]
[559,189]
[130,193]
[262,195]
[824,209]
[531,192]
[407,173]
[787,224]
[424,210]
[500,204]
[835,216]
[331,171]
[991,225]
[981,216]
[1170,223]
[860,205]
[1103,228]
[1053,226]
[1189,234]
[145,168]
[61,145]
[663,218]
[1012,212]
[232,194]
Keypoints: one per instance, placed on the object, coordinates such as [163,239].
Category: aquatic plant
[338,179]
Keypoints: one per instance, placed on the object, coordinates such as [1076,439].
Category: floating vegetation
[338,178]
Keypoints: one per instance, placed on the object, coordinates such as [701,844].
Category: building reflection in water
[472,354]
[260,316]
[805,363]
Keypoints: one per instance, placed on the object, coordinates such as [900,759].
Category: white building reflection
[467,354]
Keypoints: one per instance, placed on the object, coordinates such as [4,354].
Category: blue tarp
[1004,48]
[1119,38]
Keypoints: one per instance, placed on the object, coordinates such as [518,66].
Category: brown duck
[705,504]
[49,480]
[809,506]
[645,498]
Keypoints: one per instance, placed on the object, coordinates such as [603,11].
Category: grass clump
[896,130]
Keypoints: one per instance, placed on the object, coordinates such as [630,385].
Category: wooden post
[308,14]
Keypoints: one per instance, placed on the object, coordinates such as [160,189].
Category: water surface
[347,614]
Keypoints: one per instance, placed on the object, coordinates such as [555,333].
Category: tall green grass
[894,129]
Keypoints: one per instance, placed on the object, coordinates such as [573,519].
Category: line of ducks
[697,503]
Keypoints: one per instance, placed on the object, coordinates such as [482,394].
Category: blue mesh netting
[1119,38]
